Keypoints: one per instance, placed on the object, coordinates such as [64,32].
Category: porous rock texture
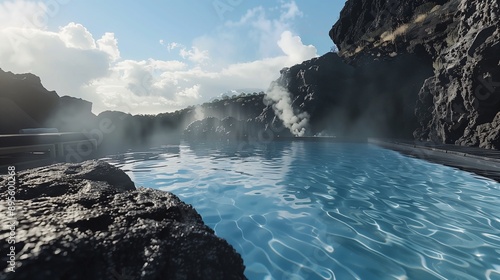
[88,221]
[466,85]
[460,102]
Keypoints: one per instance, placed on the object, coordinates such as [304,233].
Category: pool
[305,210]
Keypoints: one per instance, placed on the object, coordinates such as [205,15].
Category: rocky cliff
[88,221]
[459,102]
[376,99]
[26,103]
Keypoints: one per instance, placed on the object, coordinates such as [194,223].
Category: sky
[149,57]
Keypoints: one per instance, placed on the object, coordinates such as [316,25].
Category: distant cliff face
[460,102]
[376,99]
[25,103]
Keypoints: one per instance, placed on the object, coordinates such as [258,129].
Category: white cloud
[291,11]
[73,63]
[195,55]
[191,93]
[172,46]
[22,14]
[46,54]
[166,66]
[75,35]
[264,29]
[293,47]
[109,45]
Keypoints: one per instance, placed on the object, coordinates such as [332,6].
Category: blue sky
[159,56]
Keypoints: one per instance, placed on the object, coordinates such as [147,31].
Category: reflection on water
[303,210]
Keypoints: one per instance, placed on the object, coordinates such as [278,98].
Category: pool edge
[482,162]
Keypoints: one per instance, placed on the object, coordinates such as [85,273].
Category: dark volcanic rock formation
[376,99]
[87,221]
[25,103]
[381,27]
[231,129]
[213,129]
[460,102]
[466,85]
[139,131]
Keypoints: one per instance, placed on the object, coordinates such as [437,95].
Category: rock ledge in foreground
[88,221]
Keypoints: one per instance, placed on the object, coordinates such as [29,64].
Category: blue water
[303,210]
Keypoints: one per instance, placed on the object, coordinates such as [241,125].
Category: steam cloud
[280,98]
[199,113]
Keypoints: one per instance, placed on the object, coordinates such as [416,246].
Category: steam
[297,122]
[199,113]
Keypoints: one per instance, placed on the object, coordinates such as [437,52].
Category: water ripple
[335,211]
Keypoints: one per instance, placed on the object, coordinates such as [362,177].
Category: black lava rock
[88,221]
[459,103]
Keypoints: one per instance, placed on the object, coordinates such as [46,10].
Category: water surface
[304,210]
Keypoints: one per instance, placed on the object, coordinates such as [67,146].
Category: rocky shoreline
[88,221]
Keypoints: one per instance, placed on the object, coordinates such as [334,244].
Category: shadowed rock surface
[231,129]
[88,221]
[460,102]
[375,99]
[26,103]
